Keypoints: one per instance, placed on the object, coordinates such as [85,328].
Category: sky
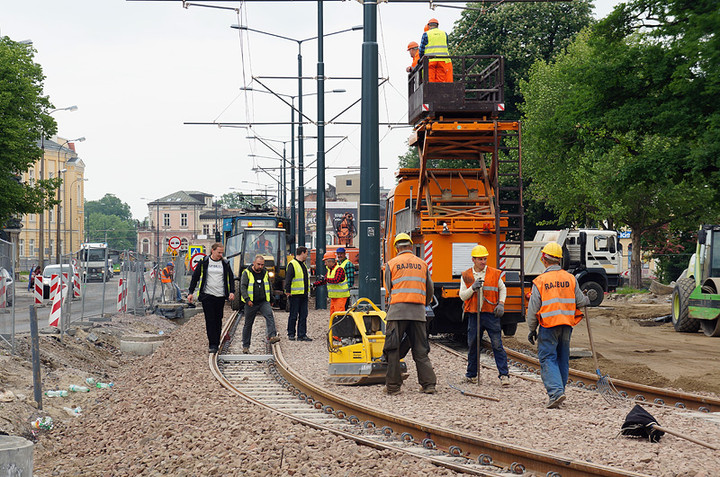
[139,70]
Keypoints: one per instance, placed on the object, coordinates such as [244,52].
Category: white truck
[593,256]
[94,262]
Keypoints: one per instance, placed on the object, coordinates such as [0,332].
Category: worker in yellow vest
[410,289]
[337,286]
[434,44]
[484,283]
[296,289]
[554,304]
[255,290]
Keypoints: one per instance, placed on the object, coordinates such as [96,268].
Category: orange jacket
[491,291]
[416,58]
[165,275]
[408,275]
[557,292]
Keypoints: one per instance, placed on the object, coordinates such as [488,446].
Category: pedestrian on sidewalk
[297,290]
[255,292]
[555,303]
[217,284]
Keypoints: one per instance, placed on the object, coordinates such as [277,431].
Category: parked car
[9,284]
[51,270]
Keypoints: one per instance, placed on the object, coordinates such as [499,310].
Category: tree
[618,131]
[108,205]
[522,33]
[24,121]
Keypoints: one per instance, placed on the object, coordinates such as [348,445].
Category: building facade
[60,229]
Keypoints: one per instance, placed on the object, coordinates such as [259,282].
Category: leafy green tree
[108,205]
[621,129]
[121,234]
[24,120]
[522,33]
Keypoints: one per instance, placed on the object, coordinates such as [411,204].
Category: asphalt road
[92,309]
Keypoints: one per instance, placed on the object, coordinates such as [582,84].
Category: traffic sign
[197,258]
[174,253]
[174,242]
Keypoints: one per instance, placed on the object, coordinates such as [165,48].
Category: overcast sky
[138,70]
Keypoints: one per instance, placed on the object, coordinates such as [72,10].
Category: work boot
[304,338]
[555,403]
[471,380]
[212,349]
[246,350]
[505,380]
[391,392]
[274,339]
[291,338]
[429,389]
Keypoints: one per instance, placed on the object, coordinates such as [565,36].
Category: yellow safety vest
[337,290]
[437,45]
[297,286]
[251,285]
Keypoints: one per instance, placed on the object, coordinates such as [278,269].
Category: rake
[604,386]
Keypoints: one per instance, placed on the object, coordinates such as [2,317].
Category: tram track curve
[267,380]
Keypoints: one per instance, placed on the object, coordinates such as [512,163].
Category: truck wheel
[594,291]
[509,329]
[680,296]
[235,303]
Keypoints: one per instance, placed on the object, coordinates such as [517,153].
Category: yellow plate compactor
[355,341]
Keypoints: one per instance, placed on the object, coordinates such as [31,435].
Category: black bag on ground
[640,423]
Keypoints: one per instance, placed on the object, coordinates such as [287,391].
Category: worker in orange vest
[167,282]
[410,289]
[412,48]
[434,44]
[554,304]
[484,283]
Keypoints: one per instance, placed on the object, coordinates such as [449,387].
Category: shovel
[604,385]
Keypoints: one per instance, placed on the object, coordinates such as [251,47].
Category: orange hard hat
[433,20]
[412,45]
[329,255]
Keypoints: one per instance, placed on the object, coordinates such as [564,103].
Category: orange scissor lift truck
[447,211]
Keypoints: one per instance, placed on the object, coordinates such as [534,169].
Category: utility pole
[321,291]
[369,224]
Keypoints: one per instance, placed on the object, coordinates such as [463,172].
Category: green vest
[251,285]
[337,290]
[437,45]
[297,286]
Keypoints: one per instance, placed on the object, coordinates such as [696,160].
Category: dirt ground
[630,344]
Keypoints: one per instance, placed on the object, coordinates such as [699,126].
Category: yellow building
[61,236]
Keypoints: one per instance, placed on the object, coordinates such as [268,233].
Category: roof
[182,197]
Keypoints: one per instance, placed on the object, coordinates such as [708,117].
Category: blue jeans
[490,323]
[554,355]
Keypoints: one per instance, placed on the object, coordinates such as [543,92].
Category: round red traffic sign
[174,242]
[195,259]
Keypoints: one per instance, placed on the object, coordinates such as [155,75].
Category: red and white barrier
[76,283]
[501,261]
[38,294]
[122,296]
[56,310]
[3,293]
[54,286]
[144,294]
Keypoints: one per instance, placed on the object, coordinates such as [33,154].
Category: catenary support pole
[320,220]
[301,165]
[369,231]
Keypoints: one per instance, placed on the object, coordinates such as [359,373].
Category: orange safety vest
[416,58]
[408,275]
[557,292]
[165,275]
[491,290]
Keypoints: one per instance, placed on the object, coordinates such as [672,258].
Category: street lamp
[71,215]
[57,218]
[301,188]
[41,215]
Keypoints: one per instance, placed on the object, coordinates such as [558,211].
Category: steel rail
[636,392]
[443,447]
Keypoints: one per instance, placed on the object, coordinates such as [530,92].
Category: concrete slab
[16,456]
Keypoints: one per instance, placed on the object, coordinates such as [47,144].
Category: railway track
[632,391]
[266,380]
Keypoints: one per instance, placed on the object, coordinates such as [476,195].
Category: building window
[146,246]
[184,244]
[166,220]
[348,182]
[31,176]
[22,247]
[51,216]
[31,250]
[214,229]
[183,220]
[32,217]
[206,229]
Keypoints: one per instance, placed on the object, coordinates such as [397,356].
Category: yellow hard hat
[479,251]
[553,249]
[401,237]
